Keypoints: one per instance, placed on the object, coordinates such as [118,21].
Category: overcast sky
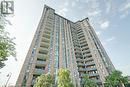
[110,19]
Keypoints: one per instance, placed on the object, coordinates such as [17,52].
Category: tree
[115,79]
[45,80]
[64,78]
[88,82]
[7,46]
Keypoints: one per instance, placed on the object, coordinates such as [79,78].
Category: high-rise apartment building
[61,43]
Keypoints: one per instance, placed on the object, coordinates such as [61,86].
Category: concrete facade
[61,43]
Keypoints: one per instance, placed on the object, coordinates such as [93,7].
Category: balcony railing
[42,56]
[41,62]
[87,55]
[87,69]
[86,64]
[92,74]
[39,71]
[46,40]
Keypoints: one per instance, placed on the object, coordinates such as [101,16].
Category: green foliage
[116,79]
[7,46]
[88,82]
[64,78]
[45,80]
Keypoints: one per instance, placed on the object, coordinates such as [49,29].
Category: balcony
[80,64]
[87,55]
[40,63]
[48,28]
[81,34]
[83,42]
[90,63]
[47,31]
[86,69]
[44,45]
[90,75]
[42,56]
[43,49]
[46,35]
[91,69]
[88,59]
[79,59]
[82,69]
[85,48]
[93,74]
[82,38]
[87,64]
[78,56]
[39,71]
[86,51]
[46,40]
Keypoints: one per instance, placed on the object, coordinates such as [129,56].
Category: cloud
[73,3]
[98,33]
[111,39]
[93,8]
[125,7]
[108,5]
[77,0]
[94,13]
[104,24]
[63,11]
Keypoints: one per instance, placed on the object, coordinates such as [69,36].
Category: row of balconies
[85,64]
[80,31]
[87,69]
[80,34]
[95,80]
[84,45]
[85,48]
[42,56]
[39,71]
[82,39]
[86,52]
[90,75]
[43,51]
[87,55]
[44,45]
[46,40]
[40,63]
[83,42]
[84,60]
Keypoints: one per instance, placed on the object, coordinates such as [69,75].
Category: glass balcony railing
[88,59]
[41,62]
[86,51]
[42,56]
[78,59]
[86,64]
[46,35]
[87,55]
[80,64]
[39,71]
[44,45]
[92,74]
[45,40]
[47,32]
[43,50]
[87,69]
